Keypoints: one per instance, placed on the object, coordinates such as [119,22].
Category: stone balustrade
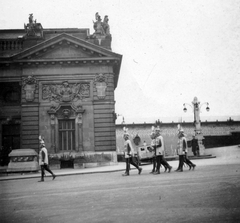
[11,45]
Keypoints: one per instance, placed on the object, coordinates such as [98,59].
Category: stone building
[59,83]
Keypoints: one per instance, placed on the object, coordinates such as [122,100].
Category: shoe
[139,171]
[194,166]
[41,181]
[177,170]
[157,172]
[190,167]
[180,170]
[125,174]
[165,170]
[152,172]
[54,176]
[169,169]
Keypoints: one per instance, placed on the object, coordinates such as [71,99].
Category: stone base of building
[82,159]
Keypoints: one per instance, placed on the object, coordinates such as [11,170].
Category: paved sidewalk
[221,156]
[64,172]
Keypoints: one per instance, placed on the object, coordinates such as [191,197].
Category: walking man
[159,142]
[129,153]
[153,137]
[182,151]
[43,160]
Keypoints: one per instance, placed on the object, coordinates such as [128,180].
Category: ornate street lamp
[196,107]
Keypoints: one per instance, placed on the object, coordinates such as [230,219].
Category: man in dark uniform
[195,147]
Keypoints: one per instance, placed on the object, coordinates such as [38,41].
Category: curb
[58,175]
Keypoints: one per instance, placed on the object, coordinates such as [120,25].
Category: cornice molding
[80,62]
[70,61]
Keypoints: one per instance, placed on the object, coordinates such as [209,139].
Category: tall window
[66,135]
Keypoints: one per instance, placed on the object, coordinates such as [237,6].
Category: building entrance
[10,141]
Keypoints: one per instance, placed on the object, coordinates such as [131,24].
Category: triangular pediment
[64,46]
[62,51]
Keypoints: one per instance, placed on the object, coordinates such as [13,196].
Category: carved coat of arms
[65,92]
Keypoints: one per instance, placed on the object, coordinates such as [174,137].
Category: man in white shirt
[43,160]
[129,154]
[159,143]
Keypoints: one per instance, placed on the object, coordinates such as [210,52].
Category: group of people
[158,149]
[158,159]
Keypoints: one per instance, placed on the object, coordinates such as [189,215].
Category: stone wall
[212,132]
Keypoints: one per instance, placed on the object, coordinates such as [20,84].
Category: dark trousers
[160,160]
[184,159]
[181,162]
[154,161]
[45,167]
[187,161]
[131,161]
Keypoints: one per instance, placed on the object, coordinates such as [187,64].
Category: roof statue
[33,29]
[31,19]
[105,25]
[102,29]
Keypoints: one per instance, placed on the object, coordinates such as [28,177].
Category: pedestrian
[129,154]
[182,151]
[195,147]
[43,160]
[153,137]
[159,142]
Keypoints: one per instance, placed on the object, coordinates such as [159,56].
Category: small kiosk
[23,160]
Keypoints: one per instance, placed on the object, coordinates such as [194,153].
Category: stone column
[53,146]
[197,123]
[80,132]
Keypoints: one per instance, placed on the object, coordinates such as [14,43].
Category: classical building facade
[59,83]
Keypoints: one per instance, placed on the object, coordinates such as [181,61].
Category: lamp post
[196,106]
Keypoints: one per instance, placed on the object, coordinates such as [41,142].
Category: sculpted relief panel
[29,86]
[101,85]
[65,92]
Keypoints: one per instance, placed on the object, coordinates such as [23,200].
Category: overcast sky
[173,50]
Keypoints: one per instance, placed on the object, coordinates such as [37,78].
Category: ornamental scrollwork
[65,92]
[101,85]
[29,85]
[100,78]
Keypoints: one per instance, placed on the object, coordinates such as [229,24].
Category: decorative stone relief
[79,119]
[66,113]
[101,85]
[29,85]
[52,116]
[65,92]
